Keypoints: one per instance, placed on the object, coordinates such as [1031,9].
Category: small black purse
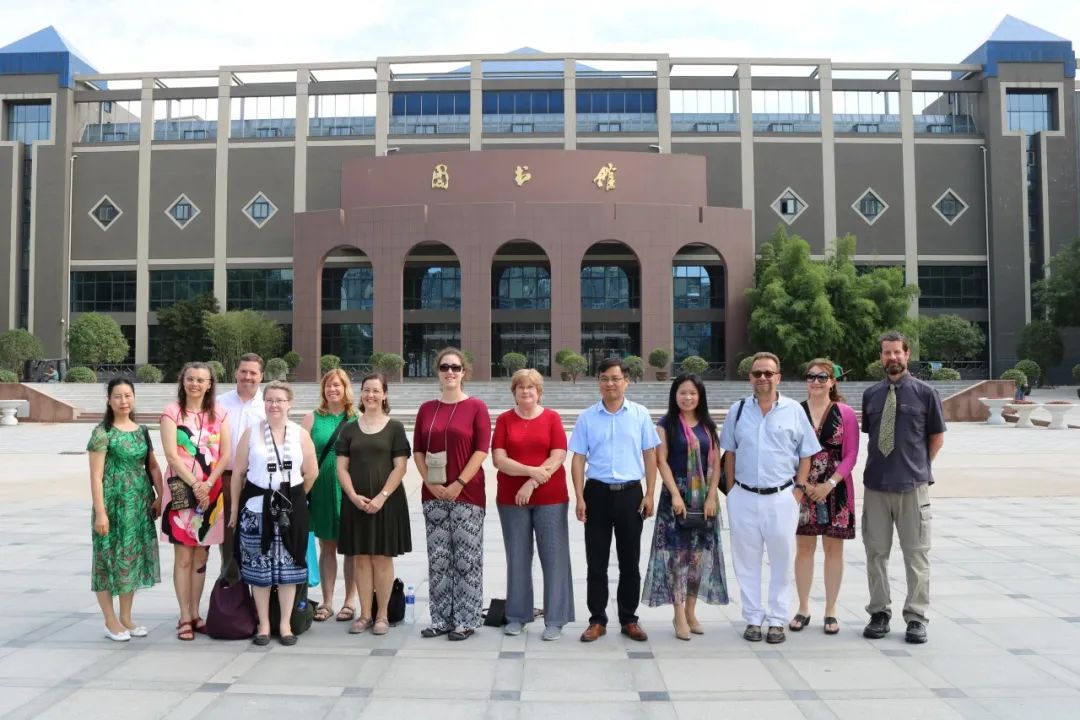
[692,520]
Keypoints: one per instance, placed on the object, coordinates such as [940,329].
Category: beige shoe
[381,627]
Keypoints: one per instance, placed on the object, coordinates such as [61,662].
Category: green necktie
[886,438]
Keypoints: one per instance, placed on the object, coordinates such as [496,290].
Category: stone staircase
[406,397]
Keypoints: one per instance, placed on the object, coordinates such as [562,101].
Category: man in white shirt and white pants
[244,409]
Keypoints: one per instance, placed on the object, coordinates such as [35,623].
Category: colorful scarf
[696,486]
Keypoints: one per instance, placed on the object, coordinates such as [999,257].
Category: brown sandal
[346,613]
[184,631]
[323,613]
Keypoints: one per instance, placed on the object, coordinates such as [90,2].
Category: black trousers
[613,512]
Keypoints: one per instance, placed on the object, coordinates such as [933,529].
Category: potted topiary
[575,365]
[389,364]
[875,371]
[79,374]
[1032,371]
[744,367]
[945,374]
[276,369]
[292,359]
[636,366]
[560,360]
[695,365]
[148,374]
[514,361]
[328,363]
[1019,381]
[659,359]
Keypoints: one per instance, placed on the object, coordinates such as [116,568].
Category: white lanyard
[284,463]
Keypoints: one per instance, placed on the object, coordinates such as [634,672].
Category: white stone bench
[12,409]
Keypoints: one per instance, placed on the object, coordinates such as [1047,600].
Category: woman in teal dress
[125,484]
[336,407]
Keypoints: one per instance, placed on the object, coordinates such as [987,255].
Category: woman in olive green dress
[336,407]
[125,484]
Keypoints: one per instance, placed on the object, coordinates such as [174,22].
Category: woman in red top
[450,441]
[528,450]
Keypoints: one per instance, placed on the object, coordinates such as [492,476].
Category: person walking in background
[687,559]
[614,444]
[828,505]
[906,423]
[197,444]
[125,484]
[769,442]
[450,441]
[371,458]
[336,407]
[528,450]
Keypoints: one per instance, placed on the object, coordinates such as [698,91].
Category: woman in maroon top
[528,450]
[450,441]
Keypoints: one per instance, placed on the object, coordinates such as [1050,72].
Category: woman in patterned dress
[195,437]
[126,501]
[828,506]
[686,564]
[336,407]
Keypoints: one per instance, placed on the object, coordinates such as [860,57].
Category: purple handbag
[231,615]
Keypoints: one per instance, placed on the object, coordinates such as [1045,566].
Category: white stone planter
[8,408]
[996,405]
[1057,415]
[1023,413]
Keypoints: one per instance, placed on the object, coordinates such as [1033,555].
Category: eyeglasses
[448,367]
[767,374]
[817,377]
[195,381]
[605,380]
[276,401]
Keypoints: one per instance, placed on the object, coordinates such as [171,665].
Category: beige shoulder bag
[436,461]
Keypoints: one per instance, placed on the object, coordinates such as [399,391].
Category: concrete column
[663,104]
[142,223]
[476,104]
[657,308]
[907,153]
[13,237]
[303,76]
[828,157]
[221,188]
[570,109]
[746,142]
[382,106]
[565,296]
[476,310]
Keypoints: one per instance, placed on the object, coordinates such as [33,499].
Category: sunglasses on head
[450,367]
[817,377]
[763,373]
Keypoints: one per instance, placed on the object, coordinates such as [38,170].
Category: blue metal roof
[45,52]
[1014,40]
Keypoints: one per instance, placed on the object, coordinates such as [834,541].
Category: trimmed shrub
[276,369]
[1017,376]
[945,374]
[560,356]
[6,376]
[389,364]
[95,339]
[659,358]
[636,366]
[1031,369]
[217,369]
[575,365]
[148,374]
[80,374]
[292,359]
[17,346]
[875,371]
[328,362]
[744,367]
[695,365]
[514,361]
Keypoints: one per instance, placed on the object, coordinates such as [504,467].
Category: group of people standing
[241,475]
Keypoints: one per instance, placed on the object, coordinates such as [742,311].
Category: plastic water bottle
[410,604]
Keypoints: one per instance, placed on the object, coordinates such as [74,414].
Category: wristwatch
[832,481]
[385,494]
[461,482]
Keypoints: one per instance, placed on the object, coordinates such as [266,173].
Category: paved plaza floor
[1004,631]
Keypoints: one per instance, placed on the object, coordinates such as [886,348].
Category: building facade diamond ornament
[789,205]
[182,211]
[949,206]
[870,207]
[259,210]
[105,212]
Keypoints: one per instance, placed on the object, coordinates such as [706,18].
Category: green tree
[1059,293]
[659,359]
[148,374]
[695,365]
[292,358]
[237,332]
[329,362]
[7,376]
[790,312]
[80,374]
[744,366]
[184,337]
[1040,341]
[575,365]
[17,346]
[276,369]
[1031,369]
[389,364]
[95,339]
[636,366]
[514,361]
[864,306]
[950,338]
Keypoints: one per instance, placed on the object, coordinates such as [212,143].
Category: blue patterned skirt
[684,562]
[276,567]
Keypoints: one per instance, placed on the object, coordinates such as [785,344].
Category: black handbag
[232,614]
[395,609]
[692,520]
[303,611]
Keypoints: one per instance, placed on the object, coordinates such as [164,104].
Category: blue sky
[137,35]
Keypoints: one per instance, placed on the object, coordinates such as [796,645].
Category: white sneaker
[551,632]
[122,636]
[513,628]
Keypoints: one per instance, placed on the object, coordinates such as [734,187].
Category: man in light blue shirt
[769,443]
[614,446]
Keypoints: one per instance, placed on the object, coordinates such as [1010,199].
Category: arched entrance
[610,302]
[521,306]
[348,302]
[698,279]
[432,305]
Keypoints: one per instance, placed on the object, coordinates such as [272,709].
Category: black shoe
[916,632]
[878,627]
[752,633]
[288,640]
[460,634]
[260,640]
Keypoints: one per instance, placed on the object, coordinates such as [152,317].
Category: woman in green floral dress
[336,407]
[126,502]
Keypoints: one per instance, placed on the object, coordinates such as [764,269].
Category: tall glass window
[348,288]
[704,339]
[168,287]
[697,287]
[952,286]
[705,110]
[103,291]
[1030,111]
[352,342]
[108,122]
[433,288]
[616,110]
[523,111]
[259,289]
[866,111]
[185,119]
[27,122]
[522,288]
[945,113]
[422,341]
[429,113]
[787,111]
[533,340]
[337,115]
[604,340]
[263,117]
[606,287]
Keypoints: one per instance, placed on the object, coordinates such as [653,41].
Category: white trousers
[759,524]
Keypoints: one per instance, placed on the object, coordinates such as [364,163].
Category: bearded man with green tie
[906,424]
